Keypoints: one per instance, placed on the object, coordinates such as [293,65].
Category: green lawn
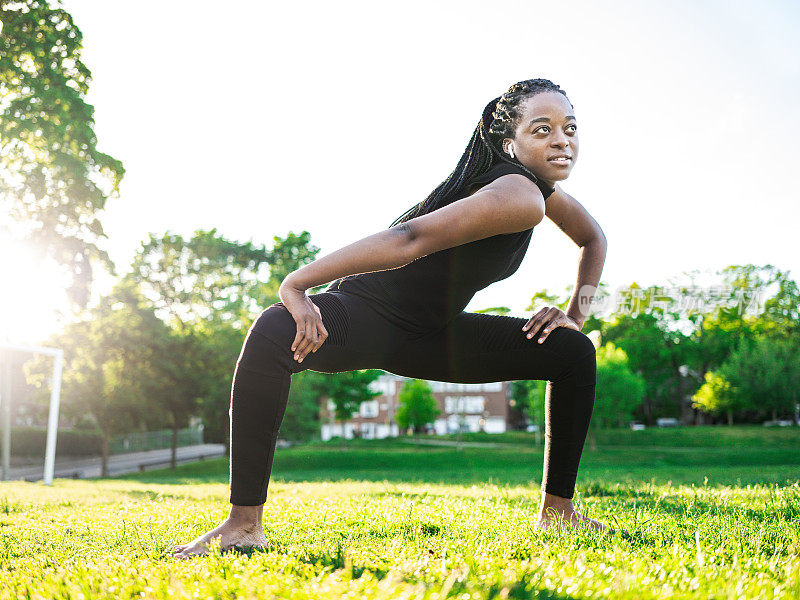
[715,513]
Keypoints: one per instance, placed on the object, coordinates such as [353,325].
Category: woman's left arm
[575,221]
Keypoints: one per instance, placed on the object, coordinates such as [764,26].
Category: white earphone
[511,151]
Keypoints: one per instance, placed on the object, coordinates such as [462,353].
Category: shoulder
[502,168]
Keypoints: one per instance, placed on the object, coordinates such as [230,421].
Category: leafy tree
[418,406]
[301,419]
[53,181]
[528,396]
[717,396]
[348,390]
[764,375]
[204,278]
[289,254]
[619,391]
[176,383]
[110,364]
[651,354]
[215,287]
[781,315]
[221,344]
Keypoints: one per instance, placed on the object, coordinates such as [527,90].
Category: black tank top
[427,293]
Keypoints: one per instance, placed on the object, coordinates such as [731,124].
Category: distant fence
[30,441]
[154,440]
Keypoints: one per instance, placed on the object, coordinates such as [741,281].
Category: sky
[335,118]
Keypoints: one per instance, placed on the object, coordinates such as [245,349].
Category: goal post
[52,419]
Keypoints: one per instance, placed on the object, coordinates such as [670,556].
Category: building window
[464,404]
[369,409]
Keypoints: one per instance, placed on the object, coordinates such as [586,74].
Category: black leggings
[472,348]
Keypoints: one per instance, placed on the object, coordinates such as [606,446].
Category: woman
[398,297]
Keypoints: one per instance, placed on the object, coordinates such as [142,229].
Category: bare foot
[572,520]
[556,510]
[230,533]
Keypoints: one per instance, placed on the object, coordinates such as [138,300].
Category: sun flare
[31,294]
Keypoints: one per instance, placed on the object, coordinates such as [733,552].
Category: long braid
[498,121]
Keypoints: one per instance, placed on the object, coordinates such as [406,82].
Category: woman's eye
[538,129]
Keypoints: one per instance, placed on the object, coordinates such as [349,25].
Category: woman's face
[547,129]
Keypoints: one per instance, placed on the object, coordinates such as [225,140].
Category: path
[130,462]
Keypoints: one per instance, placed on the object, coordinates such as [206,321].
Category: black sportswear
[398,321]
[432,289]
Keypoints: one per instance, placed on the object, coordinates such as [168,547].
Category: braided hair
[498,121]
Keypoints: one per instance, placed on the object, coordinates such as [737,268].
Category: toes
[185,553]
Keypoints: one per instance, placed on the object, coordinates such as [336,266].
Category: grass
[714,514]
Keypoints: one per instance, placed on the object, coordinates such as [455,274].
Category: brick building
[478,406]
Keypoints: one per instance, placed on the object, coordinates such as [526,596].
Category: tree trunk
[173,459]
[344,440]
[687,418]
[774,415]
[592,441]
[106,447]
[730,418]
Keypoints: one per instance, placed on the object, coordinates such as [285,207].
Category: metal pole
[52,420]
[55,400]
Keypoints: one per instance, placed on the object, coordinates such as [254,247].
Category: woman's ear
[508,147]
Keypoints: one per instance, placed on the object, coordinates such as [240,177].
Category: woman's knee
[266,349]
[276,324]
[577,352]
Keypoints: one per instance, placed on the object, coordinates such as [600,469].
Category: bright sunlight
[33,295]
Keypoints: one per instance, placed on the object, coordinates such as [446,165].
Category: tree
[619,391]
[289,254]
[418,406]
[764,375]
[717,396]
[301,419]
[529,396]
[53,181]
[204,278]
[215,287]
[348,390]
[650,354]
[176,383]
[221,344]
[781,316]
[111,359]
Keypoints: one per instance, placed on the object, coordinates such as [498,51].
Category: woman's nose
[562,141]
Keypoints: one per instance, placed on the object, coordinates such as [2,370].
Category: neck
[549,182]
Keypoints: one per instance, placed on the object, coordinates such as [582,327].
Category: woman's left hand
[550,318]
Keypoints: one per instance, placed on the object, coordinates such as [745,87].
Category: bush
[31,441]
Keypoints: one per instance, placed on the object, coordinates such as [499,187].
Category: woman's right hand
[311,333]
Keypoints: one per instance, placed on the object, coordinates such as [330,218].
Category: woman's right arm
[387,249]
[509,204]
